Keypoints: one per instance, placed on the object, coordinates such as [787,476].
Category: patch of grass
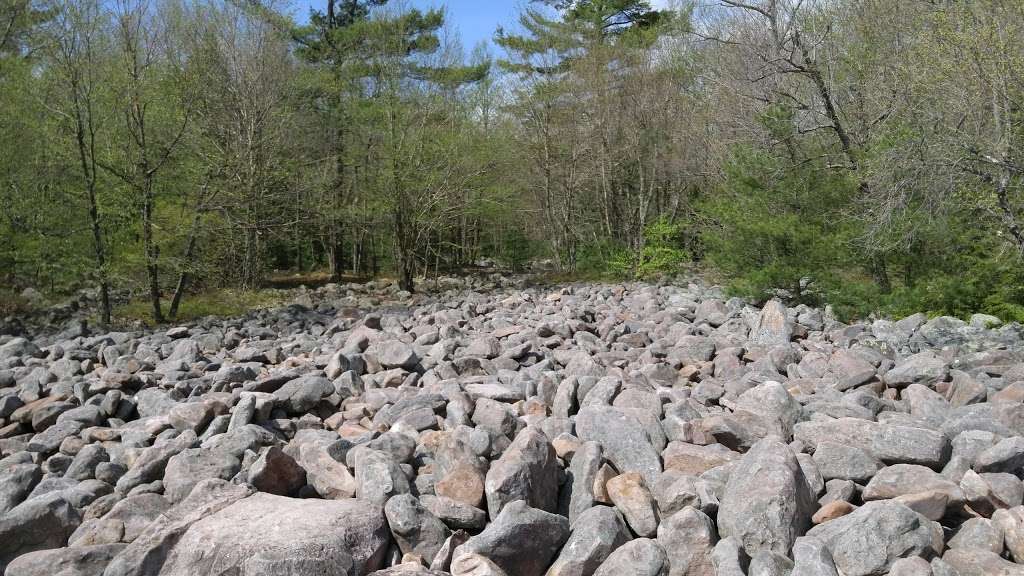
[222,303]
[308,279]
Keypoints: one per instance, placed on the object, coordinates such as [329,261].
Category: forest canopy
[863,153]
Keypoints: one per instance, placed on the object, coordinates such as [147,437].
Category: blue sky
[473,20]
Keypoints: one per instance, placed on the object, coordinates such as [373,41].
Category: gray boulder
[689,539]
[640,557]
[74,561]
[767,502]
[521,540]
[268,534]
[39,523]
[622,437]
[416,529]
[528,470]
[191,466]
[869,540]
[597,533]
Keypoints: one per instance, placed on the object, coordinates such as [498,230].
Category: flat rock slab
[268,534]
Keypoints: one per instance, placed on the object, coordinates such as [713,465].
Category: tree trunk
[150,249]
[183,278]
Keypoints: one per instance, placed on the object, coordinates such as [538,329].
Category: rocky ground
[491,429]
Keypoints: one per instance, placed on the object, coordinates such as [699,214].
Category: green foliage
[774,227]
[661,253]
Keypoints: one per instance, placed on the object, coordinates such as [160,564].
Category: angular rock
[870,539]
[632,498]
[623,439]
[582,473]
[527,470]
[689,539]
[844,462]
[76,561]
[277,473]
[39,523]
[150,465]
[378,477]
[268,534]
[16,483]
[521,540]
[767,503]
[416,529]
[597,533]
[639,557]
[189,467]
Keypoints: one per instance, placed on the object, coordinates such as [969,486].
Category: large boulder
[74,561]
[39,523]
[595,535]
[528,470]
[640,557]
[623,438]
[194,465]
[869,540]
[521,540]
[416,529]
[268,534]
[767,502]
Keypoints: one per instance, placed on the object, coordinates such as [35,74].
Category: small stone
[831,511]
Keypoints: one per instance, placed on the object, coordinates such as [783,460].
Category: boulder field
[490,428]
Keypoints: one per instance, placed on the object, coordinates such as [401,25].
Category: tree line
[860,152]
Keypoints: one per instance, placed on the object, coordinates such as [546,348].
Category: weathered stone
[632,498]
[623,439]
[394,354]
[689,538]
[76,561]
[330,478]
[521,540]
[189,467]
[456,515]
[767,503]
[900,479]
[582,473]
[527,470]
[464,483]
[922,368]
[773,326]
[268,534]
[868,540]
[303,394]
[831,511]
[16,483]
[597,533]
[37,524]
[416,529]
[1006,456]
[639,557]
[694,459]
[378,477]
[152,462]
[83,467]
[277,473]
[192,416]
[845,462]
[975,562]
